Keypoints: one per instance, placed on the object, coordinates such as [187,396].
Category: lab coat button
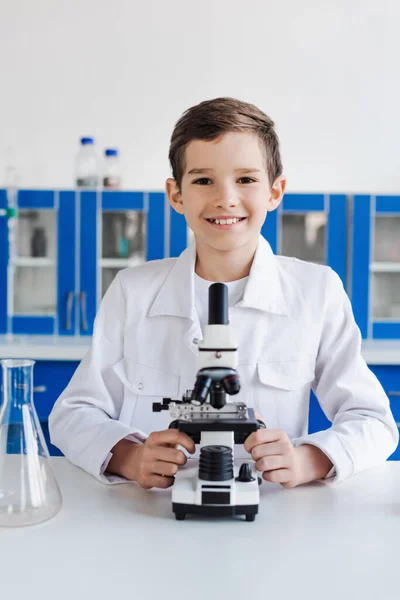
[140,386]
[195,340]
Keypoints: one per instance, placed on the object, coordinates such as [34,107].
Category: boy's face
[225,179]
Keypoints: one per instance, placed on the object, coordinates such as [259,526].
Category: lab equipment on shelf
[87,165]
[112,169]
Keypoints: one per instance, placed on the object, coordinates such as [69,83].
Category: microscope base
[181,510]
[191,495]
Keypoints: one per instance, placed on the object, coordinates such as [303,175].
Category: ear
[174,195]
[277,193]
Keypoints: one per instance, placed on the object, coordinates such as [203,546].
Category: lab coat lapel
[264,286]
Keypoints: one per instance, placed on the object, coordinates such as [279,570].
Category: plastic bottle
[87,165]
[112,172]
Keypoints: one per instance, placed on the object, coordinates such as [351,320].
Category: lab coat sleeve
[363,432]
[84,423]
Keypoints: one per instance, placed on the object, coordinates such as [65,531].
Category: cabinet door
[118,229]
[3,264]
[32,268]
[375,273]
[311,227]
[67,261]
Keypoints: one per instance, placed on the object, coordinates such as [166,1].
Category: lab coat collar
[263,290]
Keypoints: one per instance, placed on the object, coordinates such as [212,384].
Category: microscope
[216,486]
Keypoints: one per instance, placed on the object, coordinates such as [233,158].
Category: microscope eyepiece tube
[218,304]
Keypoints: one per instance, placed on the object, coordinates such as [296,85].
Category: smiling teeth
[224,221]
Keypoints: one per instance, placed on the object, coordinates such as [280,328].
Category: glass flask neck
[17,383]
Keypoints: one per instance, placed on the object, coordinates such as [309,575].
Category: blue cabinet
[375,270]
[389,377]
[308,226]
[69,247]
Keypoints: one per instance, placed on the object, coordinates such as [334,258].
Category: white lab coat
[295,329]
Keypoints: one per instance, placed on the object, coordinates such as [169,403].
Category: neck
[222,266]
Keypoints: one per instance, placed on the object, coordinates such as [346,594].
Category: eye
[247,180]
[202,181]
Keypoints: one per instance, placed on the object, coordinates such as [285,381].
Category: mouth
[226,223]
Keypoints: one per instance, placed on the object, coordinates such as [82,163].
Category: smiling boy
[293,322]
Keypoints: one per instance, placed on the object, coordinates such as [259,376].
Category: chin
[228,245]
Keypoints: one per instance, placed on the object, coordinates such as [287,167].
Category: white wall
[124,71]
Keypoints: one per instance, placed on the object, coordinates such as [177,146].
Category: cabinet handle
[397,394]
[82,297]
[40,389]
[70,298]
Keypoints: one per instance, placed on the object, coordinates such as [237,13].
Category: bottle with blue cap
[112,172]
[87,165]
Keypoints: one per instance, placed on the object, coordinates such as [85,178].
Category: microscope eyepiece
[218,304]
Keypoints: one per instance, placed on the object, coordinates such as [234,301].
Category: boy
[292,319]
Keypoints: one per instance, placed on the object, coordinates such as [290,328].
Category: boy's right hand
[153,463]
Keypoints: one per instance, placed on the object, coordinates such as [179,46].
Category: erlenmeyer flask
[29,493]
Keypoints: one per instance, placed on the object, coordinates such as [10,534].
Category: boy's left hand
[280,462]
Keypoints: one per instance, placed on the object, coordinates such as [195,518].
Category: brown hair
[211,119]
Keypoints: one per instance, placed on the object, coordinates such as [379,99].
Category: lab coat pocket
[282,394]
[286,375]
[143,385]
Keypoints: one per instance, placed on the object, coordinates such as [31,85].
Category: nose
[225,197]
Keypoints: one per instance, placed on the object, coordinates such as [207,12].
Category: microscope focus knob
[245,474]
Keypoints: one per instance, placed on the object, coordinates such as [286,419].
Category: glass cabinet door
[32,267]
[311,227]
[118,229]
[123,242]
[304,236]
[376,265]
[385,267]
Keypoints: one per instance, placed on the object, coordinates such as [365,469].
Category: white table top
[47,347]
[317,541]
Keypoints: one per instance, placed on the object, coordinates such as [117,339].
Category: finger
[271,449]
[272,463]
[278,476]
[264,436]
[159,467]
[171,437]
[170,455]
[158,481]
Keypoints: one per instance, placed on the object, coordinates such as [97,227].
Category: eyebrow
[207,170]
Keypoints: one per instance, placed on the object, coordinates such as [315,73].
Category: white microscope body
[215,487]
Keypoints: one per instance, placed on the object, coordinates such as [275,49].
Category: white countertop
[45,347]
[316,541]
